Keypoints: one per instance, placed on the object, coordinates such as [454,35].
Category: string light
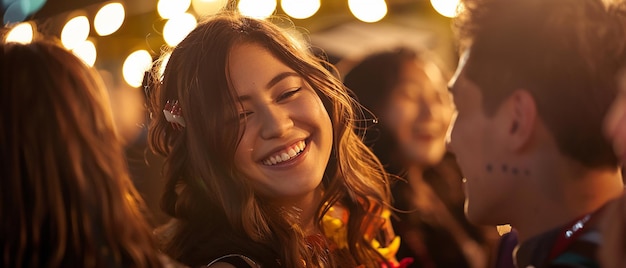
[75,31]
[18,10]
[135,67]
[257,8]
[22,33]
[170,8]
[447,8]
[177,28]
[109,19]
[368,10]
[86,51]
[300,9]
[208,7]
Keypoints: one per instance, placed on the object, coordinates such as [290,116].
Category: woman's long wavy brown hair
[67,199]
[216,210]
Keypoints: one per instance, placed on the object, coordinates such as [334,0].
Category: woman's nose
[276,122]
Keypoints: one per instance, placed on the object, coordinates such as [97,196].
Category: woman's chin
[429,157]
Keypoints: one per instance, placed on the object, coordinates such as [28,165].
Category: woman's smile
[287,155]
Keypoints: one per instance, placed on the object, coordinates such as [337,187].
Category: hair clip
[174,114]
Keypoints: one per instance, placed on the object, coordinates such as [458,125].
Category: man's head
[529,63]
[564,52]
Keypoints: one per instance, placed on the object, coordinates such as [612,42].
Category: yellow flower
[336,231]
[335,228]
[390,251]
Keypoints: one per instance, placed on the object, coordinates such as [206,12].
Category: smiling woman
[262,162]
[288,135]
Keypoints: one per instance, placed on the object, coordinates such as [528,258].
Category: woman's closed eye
[243,115]
[288,94]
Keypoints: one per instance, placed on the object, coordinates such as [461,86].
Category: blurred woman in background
[67,199]
[406,92]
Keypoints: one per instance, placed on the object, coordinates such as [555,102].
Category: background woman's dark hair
[372,81]
[66,197]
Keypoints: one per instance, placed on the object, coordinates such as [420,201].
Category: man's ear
[522,119]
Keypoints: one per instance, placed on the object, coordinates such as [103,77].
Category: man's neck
[565,194]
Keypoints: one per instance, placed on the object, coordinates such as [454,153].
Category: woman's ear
[522,121]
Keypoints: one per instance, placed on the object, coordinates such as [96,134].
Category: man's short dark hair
[566,53]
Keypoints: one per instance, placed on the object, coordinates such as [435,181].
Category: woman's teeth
[286,154]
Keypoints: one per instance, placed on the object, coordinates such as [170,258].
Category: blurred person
[67,199]
[263,167]
[533,85]
[407,94]
[613,251]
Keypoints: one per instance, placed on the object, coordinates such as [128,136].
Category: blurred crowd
[262,152]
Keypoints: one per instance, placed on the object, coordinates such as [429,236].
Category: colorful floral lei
[335,230]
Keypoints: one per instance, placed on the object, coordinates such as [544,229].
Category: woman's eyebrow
[280,77]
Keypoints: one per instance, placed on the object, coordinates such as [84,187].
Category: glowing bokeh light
[447,8]
[109,19]
[18,10]
[208,7]
[177,28]
[135,67]
[75,32]
[171,8]
[368,10]
[300,9]
[257,8]
[22,33]
[86,51]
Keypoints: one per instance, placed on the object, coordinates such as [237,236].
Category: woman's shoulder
[233,261]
